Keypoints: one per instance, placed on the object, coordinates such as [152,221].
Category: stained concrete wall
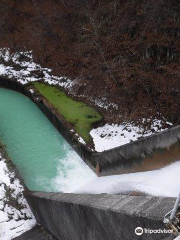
[146,154]
[100,217]
[153,152]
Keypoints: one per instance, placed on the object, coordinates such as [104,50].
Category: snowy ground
[111,136]
[15,214]
[163,182]
[21,66]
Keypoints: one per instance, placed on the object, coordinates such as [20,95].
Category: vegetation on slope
[126,52]
[81,116]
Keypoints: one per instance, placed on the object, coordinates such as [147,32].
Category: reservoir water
[44,159]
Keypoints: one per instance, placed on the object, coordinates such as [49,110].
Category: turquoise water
[43,158]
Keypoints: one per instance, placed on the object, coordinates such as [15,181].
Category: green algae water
[44,159]
[78,114]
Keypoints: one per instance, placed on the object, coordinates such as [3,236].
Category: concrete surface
[100,217]
[36,233]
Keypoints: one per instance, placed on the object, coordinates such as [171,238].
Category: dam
[49,166]
[44,159]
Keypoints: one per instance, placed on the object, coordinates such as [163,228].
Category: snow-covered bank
[111,136]
[22,67]
[15,214]
[163,182]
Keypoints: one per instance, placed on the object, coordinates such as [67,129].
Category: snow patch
[80,139]
[111,136]
[31,90]
[15,214]
[21,66]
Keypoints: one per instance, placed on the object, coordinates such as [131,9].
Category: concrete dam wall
[149,153]
[100,217]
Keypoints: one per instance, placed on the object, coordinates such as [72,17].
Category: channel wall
[100,217]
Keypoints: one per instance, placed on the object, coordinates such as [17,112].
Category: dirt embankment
[127,52]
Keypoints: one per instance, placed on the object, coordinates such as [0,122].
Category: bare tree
[96,40]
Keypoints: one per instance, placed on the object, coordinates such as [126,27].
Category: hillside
[123,53]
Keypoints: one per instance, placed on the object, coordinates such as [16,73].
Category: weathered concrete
[36,233]
[149,153]
[153,152]
[100,217]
